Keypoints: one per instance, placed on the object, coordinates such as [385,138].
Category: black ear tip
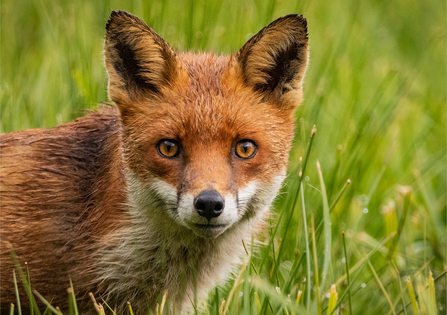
[118,15]
[297,19]
[302,20]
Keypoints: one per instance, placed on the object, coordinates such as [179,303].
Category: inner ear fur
[138,61]
[274,61]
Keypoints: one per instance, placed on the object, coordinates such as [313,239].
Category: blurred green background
[375,89]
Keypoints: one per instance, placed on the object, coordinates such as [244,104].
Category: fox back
[159,190]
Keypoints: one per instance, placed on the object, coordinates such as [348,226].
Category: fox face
[206,137]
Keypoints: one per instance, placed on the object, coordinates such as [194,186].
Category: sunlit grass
[376,91]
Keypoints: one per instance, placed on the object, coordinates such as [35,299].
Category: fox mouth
[210,226]
[209,230]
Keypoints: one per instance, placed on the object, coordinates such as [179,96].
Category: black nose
[209,204]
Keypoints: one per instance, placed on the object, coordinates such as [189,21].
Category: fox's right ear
[138,61]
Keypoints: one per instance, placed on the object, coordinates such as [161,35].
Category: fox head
[205,138]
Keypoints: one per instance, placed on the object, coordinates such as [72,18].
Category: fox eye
[246,149]
[168,148]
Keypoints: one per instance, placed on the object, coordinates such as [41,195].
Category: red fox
[158,191]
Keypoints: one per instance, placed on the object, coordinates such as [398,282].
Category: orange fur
[93,200]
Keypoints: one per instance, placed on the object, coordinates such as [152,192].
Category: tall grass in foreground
[362,233]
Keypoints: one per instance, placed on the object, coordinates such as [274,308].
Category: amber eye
[168,148]
[246,149]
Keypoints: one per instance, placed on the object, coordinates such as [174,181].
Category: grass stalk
[306,238]
[361,264]
[401,225]
[316,272]
[48,304]
[72,298]
[332,300]
[237,282]
[130,308]
[381,286]
[413,300]
[327,226]
[347,273]
[334,203]
[25,281]
[401,293]
[337,198]
[432,295]
[19,309]
[292,210]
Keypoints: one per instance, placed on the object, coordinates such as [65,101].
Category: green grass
[376,91]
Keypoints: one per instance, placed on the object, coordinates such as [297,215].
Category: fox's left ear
[274,61]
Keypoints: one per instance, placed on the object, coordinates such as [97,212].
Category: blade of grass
[108,306]
[28,283]
[298,297]
[294,271]
[337,198]
[317,285]
[283,305]
[430,207]
[377,180]
[221,307]
[247,288]
[306,238]
[19,309]
[401,290]
[71,306]
[327,226]
[252,263]
[431,286]
[381,286]
[258,302]
[276,296]
[292,210]
[95,304]
[52,308]
[347,183]
[24,280]
[72,297]
[402,221]
[11,309]
[238,281]
[47,310]
[362,261]
[130,308]
[360,287]
[411,279]
[361,264]
[332,300]
[414,303]
[163,301]
[347,272]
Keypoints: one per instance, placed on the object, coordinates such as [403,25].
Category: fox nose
[209,204]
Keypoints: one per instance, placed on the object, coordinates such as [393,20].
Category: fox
[156,192]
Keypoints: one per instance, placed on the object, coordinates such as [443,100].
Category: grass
[376,91]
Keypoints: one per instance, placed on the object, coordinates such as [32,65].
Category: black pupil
[169,146]
[246,146]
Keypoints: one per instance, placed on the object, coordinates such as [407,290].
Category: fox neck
[156,254]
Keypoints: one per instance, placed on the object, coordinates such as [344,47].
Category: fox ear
[274,61]
[138,61]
